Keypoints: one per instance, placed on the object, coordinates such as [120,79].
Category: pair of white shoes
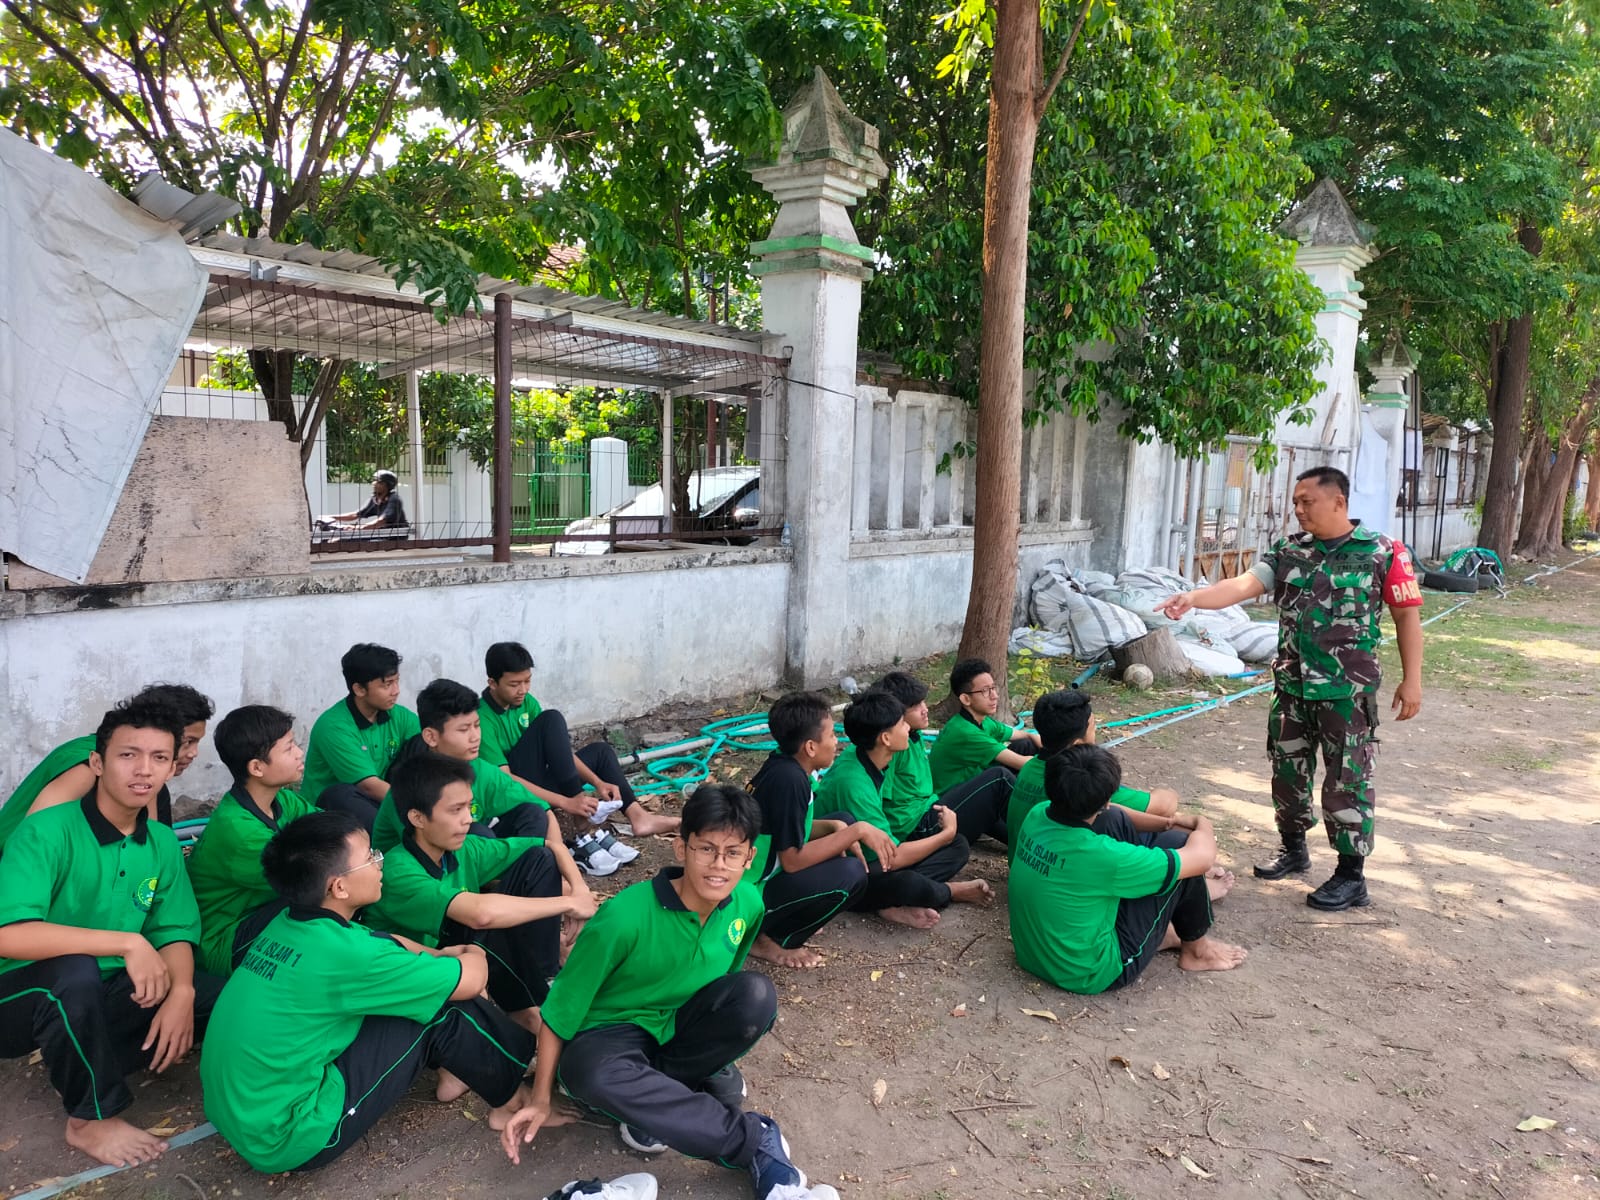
[601,853]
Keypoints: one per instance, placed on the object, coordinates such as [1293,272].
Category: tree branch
[1043,102]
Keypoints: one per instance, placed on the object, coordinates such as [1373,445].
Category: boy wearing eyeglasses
[326,1024]
[445,885]
[972,740]
[651,1011]
[98,926]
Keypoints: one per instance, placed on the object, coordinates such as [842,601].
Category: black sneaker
[1339,893]
[770,1168]
[1291,860]
[727,1085]
[638,1139]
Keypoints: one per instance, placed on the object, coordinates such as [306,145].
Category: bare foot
[647,824]
[1219,882]
[450,1087]
[768,950]
[114,1142]
[528,1018]
[917,918]
[1208,954]
[971,891]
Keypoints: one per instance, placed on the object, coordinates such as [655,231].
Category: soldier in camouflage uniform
[1331,583]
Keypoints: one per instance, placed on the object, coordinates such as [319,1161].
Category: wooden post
[502,428]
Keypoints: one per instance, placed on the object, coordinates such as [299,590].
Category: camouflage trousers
[1346,733]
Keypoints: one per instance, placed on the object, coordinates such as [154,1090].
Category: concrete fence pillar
[1388,401]
[811,268]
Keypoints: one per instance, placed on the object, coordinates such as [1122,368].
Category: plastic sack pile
[1083,614]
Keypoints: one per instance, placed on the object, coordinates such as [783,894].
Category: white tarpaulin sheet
[96,298]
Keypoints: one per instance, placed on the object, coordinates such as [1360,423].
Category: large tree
[1427,115]
[1132,212]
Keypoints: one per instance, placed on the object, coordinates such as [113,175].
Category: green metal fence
[550,487]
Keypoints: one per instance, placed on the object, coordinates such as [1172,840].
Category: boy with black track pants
[979,803]
[908,885]
[354,742]
[326,1024]
[98,937]
[652,1009]
[809,868]
[446,886]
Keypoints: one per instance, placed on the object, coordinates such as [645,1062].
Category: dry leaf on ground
[1193,1167]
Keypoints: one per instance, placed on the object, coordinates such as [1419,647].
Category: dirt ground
[1388,1052]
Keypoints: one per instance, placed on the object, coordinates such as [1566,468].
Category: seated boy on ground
[1065,719]
[979,803]
[256,743]
[447,712]
[326,1024]
[910,886]
[1091,904]
[972,740]
[354,742]
[532,743]
[444,885]
[97,933]
[809,868]
[65,775]
[647,1018]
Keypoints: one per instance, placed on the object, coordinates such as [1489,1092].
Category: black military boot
[1347,888]
[1292,859]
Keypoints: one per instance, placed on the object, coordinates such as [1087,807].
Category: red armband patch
[1400,587]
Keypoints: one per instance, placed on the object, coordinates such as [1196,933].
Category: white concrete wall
[611,640]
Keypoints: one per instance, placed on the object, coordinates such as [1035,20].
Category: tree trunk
[1543,527]
[1157,650]
[1538,469]
[1508,394]
[1013,128]
[274,370]
[1592,506]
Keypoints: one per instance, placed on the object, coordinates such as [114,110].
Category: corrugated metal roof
[265,294]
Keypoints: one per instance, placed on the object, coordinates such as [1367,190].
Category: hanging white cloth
[1370,501]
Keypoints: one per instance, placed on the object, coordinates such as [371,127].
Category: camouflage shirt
[1329,603]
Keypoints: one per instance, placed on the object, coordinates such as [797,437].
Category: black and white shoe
[626,1187]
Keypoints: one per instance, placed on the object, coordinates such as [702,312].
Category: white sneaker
[626,1187]
[620,851]
[591,857]
[820,1191]
[604,810]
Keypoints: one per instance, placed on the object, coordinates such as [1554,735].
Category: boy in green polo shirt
[65,775]
[1063,719]
[979,803]
[1091,903]
[97,933]
[650,1012]
[353,743]
[972,740]
[809,868]
[533,744]
[443,885]
[326,1024]
[911,885]
[447,712]
[256,743]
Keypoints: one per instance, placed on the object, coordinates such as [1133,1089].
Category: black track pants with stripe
[472,1039]
[87,1028]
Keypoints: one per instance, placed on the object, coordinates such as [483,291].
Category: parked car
[721,498]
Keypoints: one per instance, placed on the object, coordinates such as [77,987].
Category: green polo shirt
[855,786]
[1065,886]
[964,748]
[417,891]
[294,1005]
[908,787]
[59,761]
[346,748]
[68,865]
[494,793]
[225,868]
[1028,793]
[640,958]
[503,727]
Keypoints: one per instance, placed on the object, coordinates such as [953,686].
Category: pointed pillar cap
[1324,218]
